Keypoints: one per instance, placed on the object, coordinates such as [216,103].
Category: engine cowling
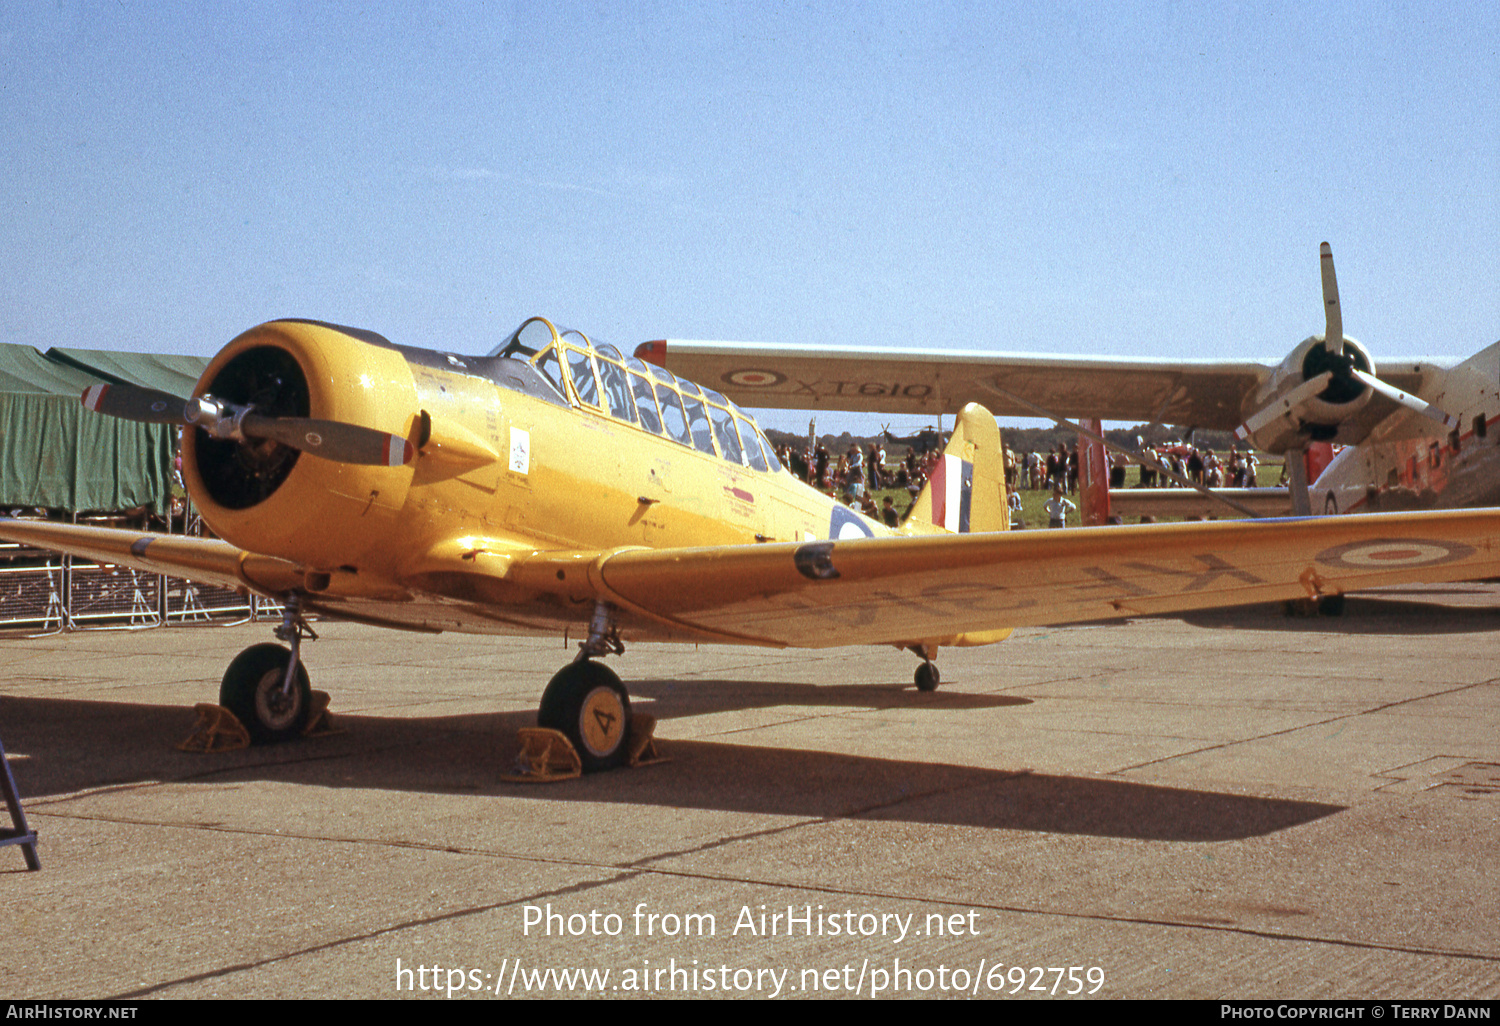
[1313,416]
[267,497]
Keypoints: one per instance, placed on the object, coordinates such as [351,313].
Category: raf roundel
[754,378]
[1394,552]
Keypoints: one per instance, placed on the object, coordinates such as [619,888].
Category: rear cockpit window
[672,414]
[703,438]
[644,395]
[770,451]
[751,444]
[645,403]
[729,439]
[616,387]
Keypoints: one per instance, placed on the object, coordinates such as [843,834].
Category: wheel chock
[546,755]
[217,730]
[319,723]
[643,750]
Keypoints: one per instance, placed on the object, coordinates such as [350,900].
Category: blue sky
[1129,178]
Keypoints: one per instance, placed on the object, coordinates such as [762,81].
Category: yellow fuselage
[501,472]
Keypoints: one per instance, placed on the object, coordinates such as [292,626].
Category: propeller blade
[1407,400]
[342,443]
[1286,406]
[134,402]
[1333,335]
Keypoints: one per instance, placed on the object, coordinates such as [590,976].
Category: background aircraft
[559,486]
[1417,432]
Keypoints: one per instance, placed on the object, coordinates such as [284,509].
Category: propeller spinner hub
[239,475]
[1345,387]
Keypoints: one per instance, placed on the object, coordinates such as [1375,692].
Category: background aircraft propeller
[332,440]
[1334,372]
[1333,334]
[1407,400]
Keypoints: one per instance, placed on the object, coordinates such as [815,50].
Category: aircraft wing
[891,590]
[206,560]
[1210,394]
[902,590]
[1204,393]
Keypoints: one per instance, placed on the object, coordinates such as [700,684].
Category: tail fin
[966,490]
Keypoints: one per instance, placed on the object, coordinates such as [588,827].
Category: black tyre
[587,702]
[928,677]
[252,691]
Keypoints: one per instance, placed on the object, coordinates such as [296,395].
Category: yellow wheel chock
[548,756]
[219,730]
[643,750]
[319,723]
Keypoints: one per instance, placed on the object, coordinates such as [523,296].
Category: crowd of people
[1040,472]
[856,475]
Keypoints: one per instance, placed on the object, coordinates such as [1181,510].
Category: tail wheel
[252,690]
[589,705]
[928,677]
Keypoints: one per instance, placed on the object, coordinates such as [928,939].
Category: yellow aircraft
[560,486]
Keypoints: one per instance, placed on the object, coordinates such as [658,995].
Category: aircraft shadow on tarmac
[72,746]
[1391,614]
[689,697]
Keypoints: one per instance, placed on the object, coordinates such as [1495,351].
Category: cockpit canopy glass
[598,376]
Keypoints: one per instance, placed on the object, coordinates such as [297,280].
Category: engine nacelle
[1315,417]
[266,497]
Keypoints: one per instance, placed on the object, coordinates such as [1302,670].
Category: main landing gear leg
[927,676]
[266,686]
[587,702]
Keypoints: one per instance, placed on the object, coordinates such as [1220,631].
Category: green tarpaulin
[57,455]
[175,374]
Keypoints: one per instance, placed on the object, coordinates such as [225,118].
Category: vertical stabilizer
[965,492]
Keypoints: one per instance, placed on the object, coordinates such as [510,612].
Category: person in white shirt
[1057,508]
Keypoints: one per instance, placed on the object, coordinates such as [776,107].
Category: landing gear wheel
[252,691]
[587,702]
[1330,506]
[928,677]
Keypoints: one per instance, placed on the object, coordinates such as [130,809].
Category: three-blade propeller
[1340,371]
[1333,345]
[332,440]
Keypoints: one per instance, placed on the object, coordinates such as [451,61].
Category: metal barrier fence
[42,592]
